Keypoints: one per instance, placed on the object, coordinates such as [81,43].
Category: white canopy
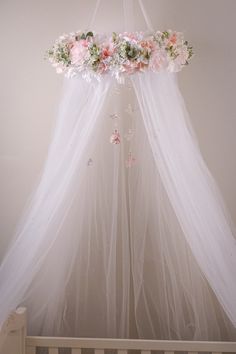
[124,240]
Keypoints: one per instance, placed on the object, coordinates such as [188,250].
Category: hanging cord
[128,9]
[145,15]
[91,23]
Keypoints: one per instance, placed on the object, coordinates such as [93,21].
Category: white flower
[59,70]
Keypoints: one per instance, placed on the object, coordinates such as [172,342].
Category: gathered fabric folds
[125,239]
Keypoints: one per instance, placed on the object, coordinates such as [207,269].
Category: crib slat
[145,352]
[76,351]
[52,350]
[30,350]
[122,351]
[99,351]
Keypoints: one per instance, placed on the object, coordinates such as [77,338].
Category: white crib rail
[13,333]
[121,346]
[13,340]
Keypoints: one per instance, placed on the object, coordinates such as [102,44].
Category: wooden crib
[13,340]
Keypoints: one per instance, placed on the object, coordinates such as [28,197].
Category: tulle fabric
[39,228]
[191,189]
[106,250]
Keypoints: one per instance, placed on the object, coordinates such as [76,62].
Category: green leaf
[89,34]
[114,36]
[83,36]
[165,34]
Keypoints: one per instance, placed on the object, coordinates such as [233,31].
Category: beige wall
[30,89]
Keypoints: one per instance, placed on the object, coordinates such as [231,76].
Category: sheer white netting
[126,240]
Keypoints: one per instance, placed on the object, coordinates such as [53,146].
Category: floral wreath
[125,53]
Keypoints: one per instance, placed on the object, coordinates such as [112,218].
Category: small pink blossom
[173,39]
[130,160]
[115,137]
[107,51]
[148,44]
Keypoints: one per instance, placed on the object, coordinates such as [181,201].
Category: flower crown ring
[121,54]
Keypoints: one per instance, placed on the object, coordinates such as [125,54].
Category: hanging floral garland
[125,53]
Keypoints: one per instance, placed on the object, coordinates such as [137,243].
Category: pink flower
[176,65]
[158,61]
[107,51]
[173,39]
[183,55]
[79,52]
[84,42]
[148,44]
[115,137]
[133,66]
[129,36]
